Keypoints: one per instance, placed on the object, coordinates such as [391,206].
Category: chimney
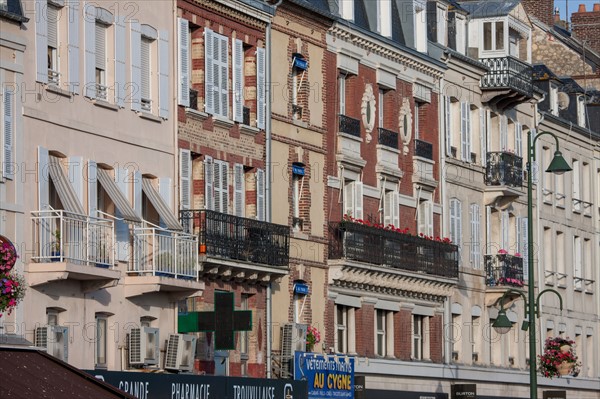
[581,8]
[541,9]
[596,7]
[586,26]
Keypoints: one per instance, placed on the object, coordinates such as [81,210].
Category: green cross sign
[224,321]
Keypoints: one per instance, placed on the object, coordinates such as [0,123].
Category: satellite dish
[563,100]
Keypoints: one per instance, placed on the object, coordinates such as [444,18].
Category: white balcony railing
[62,236]
[162,252]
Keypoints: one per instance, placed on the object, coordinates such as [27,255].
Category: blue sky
[573,6]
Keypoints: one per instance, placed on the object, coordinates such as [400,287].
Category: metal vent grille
[41,337]
[172,348]
[135,353]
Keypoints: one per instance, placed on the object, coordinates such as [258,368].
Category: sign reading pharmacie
[190,386]
[327,376]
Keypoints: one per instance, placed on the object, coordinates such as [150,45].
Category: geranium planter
[564,368]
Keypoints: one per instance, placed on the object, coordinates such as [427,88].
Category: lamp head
[502,325]
[558,165]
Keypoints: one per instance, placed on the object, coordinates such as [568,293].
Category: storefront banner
[327,376]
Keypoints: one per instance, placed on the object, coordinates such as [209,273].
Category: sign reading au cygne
[327,376]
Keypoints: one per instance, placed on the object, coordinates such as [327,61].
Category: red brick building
[586,26]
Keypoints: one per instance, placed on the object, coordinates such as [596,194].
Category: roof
[594,97]
[35,374]
[318,6]
[542,72]
[571,86]
[489,9]
[13,9]
[455,6]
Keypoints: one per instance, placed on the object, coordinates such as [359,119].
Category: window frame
[494,31]
[341,329]
[101,342]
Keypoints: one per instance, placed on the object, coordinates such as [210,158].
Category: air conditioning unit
[55,339]
[143,346]
[181,350]
[293,338]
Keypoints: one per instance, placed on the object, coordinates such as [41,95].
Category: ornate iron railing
[504,169]
[423,149]
[349,240]
[349,125]
[508,73]
[233,237]
[503,269]
[388,138]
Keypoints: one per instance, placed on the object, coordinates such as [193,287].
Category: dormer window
[493,36]
[581,110]
[384,17]
[553,99]
[461,33]
[420,23]
[347,9]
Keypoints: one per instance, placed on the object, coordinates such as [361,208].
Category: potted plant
[56,246]
[559,358]
[313,337]
[12,285]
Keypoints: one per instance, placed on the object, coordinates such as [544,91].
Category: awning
[65,190]
[117,196]
[161,207]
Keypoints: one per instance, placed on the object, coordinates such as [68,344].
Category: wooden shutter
[209,187]
[504,221]
[89,23]
[447,124]
[238,189]
[121,226]
[163,74]
[8,125]
[395,209]
[349,199]
[76,176]
[358,199]
[73,47]
[524,249]
[137,193]
[136,66]
[41,40]
[261,102]
[260,195]
[92,179]
[483,136]
[237,50]
[221,185]
[464,144]
[223,93]
[391,209]
[100,46]
[145,67]
[503,133]
[518,139]
[475,255]
[185,177]
[468,132]
[183,32]
[120,74]
[209,76]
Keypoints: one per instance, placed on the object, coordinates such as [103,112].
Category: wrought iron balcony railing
[237,238]
[161,252]
[63,236]
[388,138]
[508,73]
[349,125]
[423,149]
[354,241]
[503,269]
[504,169]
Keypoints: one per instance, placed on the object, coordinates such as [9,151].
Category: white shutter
[391,210]
[100,47]
[183,32]
[136,66]
[518,139]
[76,176]
[458,223]
[145,68]
[237,50]
[475,255]
[261,102]
[483,136]
[209,78]
[52,26]
[503,133]
[387,208]
[224,187]
[464,131]
[224,78]
[238,189]
[9,134]
[358,199]
[209,187]
[89,23]
[73,47]
[92,180]
[447,124]
[41,40]
[488,226]
[260,194]
[185,177]
[120,61]
[504,221]
[163,74]
[468,132]
[396,209]
[525,249]
[137,193]
[43,179]
[121,226]
[349,199]
[455,221]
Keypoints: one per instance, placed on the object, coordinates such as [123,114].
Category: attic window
[493,36]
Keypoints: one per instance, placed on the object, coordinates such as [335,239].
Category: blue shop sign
[301,288]
[300,63]
[298,170]
[327,376]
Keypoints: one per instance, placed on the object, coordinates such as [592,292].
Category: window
[456,329]
[216,73]
[475,337]
[522,242]
[589,358]
[420,22]
[586,188]
[216,185]
[342,92]
[577,263]
[353,199]
[560,258]
[391,208]
[483,135]
[347,9]
[380,110]
[384,19]
[146,52]
[503,132]
[548,259]
[425,218]
[456,222]
[441,25]
[52,316]
[553,99]
[101,340]
[418,106]
[239,190]
[448,124]
[504,230]
[384,332]
[341,328]
[493,36]
[461,34]
[52,15]
[518,139]
[260,194]
[581,110]
[420,342]
[465,131]
[576,176]
[8,133]
[299,76]
[297,189]
[475,254]
[299,304]
[101,86]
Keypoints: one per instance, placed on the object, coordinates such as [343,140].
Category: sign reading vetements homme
[187,386]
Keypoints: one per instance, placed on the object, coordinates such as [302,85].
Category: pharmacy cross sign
[224,321]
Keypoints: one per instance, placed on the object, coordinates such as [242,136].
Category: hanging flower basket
[559,358]
[313,337]
[12,285]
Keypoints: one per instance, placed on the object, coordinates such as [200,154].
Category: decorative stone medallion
[367,110]
[405,124]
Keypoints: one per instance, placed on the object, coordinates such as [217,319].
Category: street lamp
[558,166]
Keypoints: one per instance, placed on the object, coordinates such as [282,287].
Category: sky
[573,6]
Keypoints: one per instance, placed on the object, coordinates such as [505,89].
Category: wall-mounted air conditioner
[143,346]
[181,351]
[55,339]
[293,338]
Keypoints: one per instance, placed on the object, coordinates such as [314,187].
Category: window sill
[57,90]
[350,137]
[386,148]
[106,104]
[300,123]
[150,117]
[250,130]
[199,115]
[222,122]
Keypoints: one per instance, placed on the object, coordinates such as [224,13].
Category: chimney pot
[597,7]
[581,8]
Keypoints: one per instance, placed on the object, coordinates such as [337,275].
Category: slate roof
[570,86]
[542,72]
[489,9]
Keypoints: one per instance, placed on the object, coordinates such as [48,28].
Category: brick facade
[586,26]
[541,9]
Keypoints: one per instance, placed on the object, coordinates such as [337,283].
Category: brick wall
[541,9]
[586,26]
[403,334]
[365,335]
[436,338]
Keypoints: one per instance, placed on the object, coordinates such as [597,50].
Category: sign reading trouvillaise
[327,376]
[555,394]
[464,391]
[187,386]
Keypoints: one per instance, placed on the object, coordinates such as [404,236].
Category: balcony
[503,177]
[162,261]
[388,138]
[508,82]
[71,246]
[423,149]
[237,247]
[392,250]
[349,126]
[503,270]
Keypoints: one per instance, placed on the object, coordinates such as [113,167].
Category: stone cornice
[238,12]
[394,54]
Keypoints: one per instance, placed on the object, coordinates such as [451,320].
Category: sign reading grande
[463,391]
[327,376]
[189,386]
[555,394]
